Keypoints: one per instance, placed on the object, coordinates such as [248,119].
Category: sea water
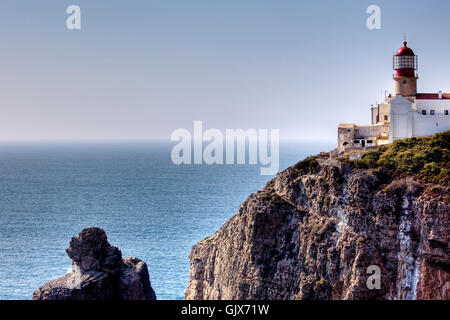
[149,207]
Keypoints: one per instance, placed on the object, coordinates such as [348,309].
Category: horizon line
[112,140]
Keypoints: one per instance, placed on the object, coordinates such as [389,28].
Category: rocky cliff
[99,273]
[324,229]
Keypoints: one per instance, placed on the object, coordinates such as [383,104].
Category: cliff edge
[337,229]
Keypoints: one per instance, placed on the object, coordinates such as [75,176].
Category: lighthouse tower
[405,77]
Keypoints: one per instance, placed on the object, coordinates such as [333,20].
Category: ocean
[149,207]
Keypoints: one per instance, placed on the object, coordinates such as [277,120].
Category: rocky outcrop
[98,273]
[323,229]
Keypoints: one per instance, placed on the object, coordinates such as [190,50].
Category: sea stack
[98,273]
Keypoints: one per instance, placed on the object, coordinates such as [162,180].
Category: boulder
[98,273]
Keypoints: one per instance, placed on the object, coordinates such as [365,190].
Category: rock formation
[98,273]
[322,229]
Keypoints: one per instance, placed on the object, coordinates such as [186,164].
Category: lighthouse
[405,77]
[405,114]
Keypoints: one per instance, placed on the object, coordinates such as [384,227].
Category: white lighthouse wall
[401,119]
[439,106]
[425,125]
[407,119]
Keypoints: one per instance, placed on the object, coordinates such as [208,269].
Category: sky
[142,69]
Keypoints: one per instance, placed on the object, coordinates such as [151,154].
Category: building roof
[346,125]
[431,96]
[404,51]
[370,125]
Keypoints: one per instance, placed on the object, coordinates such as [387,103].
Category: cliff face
[99,273]
[320,229]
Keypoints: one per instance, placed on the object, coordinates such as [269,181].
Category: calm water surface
[148,207]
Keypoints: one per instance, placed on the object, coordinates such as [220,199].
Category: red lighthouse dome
[405,62]
[405,51]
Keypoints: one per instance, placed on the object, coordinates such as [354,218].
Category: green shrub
[424,157]
[430,170]
[403,185]
[309,164]
[443,177]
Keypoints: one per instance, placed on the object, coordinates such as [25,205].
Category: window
[424,112]
[356,141]
[386,118]
[345,143]
[432,112]
[369,141]
[446,112]
[405,62]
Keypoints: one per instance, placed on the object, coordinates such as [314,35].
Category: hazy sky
[141,69]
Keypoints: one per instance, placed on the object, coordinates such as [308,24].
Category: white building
[405,114]
[420,115]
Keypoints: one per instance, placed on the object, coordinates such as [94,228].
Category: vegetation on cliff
[427,158]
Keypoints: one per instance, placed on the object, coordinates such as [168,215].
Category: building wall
[385,110]
[405,86]
[351,136]
[429,125]
[374,115]
[371,131]
[345,136]
[407,119]
[381,113]
[439,106]
[401,119]
[364,143]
